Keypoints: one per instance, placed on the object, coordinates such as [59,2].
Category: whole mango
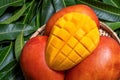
[102,64]
[33,62]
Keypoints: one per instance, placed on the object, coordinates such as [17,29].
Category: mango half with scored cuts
[73,37]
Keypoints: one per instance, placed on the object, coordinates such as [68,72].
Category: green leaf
[16,74]
[4,53]
[4,4]
[69,2]
[8,59]
[47,11]
[118,32]
[113,25]
[11,31]
[58,4]
[8,66]
[38,19]
[30,12]
[5,16]
[103,11]
[115,3]
[15,16]
[7,70]
[19,45]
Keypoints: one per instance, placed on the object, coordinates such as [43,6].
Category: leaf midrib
[15,31]
[9,48]
[114,3]
[10,4]
[101,9]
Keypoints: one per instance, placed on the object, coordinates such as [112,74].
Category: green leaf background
[4,4]
[19,19]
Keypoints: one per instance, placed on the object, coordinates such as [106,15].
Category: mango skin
[81,8]
[102,64]
[32,61]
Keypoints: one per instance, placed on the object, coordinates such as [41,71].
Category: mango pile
[72,38]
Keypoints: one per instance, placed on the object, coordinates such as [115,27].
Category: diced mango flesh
[73,37]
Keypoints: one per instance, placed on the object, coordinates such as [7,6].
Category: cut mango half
[73,37]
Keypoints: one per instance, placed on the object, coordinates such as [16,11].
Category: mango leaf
[58,4]
[8,58]
[69,2]
[115,3]
[5,16]
[118,32]
[38,19]
[4,53]
[113,25]
[16,74]
[4,4]
[6,71]
[15,16]
[38,15]
[9,69]
[19,45]
[103,11]
[30,12]
[11,31]
[47,11]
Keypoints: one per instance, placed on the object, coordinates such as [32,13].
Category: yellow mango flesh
[73,37]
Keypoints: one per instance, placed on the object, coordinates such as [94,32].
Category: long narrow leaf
[17,75]
[115,3]
[11,31]
[4,53]
[15,16]
[30,12]
[47,11]
[7,67]
[114,26]
[10,57]
[103,11]
[7,70]
[4,4]
[10,70]
[19,45]
[118,32]
[5,16]
[58,4]
[69,2]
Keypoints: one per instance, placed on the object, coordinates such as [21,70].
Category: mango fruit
[73,37]
[80,8]
[102,64]
[32,61]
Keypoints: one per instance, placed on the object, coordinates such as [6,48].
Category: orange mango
[73,37]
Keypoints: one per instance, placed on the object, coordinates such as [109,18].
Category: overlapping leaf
[10,31]
[4,4]
[19,45]
[115,3]
[103,11]
[9,68]
[15,16]
[30,12]
[69,2]
[4,53]
[58,4]
[113,25]
[47,11]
